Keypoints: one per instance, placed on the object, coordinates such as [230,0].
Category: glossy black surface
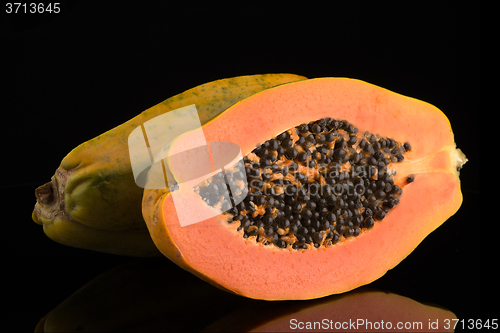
[74,76]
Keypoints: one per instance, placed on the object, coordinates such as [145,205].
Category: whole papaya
[93,202]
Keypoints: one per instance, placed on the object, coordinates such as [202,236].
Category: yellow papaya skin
[93,202]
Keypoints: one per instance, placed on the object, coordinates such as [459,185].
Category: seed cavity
[311,186]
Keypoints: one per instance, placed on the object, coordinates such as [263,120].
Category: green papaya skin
[93,202]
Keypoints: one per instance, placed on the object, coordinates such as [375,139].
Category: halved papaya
[339,182]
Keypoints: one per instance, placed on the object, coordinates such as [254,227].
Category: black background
[74,75]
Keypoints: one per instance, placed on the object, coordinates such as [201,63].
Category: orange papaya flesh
[226,256]
[361,310]
[93,202]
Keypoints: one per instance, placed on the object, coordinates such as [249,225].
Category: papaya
[361,310]
[335,182]
[93,201]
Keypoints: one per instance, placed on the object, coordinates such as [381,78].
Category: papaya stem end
[45,193]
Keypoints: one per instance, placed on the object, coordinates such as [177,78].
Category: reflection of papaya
[93,201]
[361,310]
[141,295]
